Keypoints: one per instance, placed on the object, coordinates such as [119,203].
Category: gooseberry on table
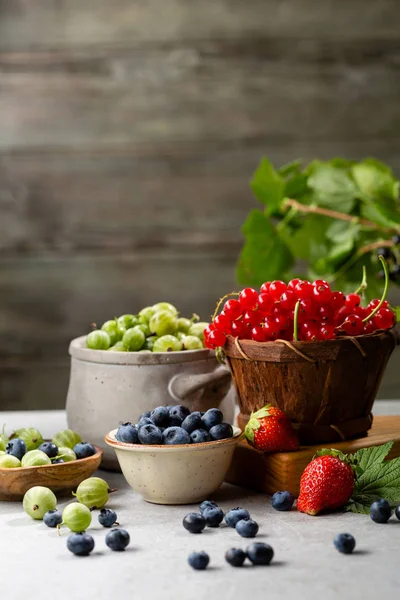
[38,501]
[77,517]
[93,492]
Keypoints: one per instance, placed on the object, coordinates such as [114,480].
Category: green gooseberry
[66,438]
[180,335]
[35,458]
[133,339]
[98,340]
[118,347]
[76,517]
[3,439]
[165,306]
[67,454]
[93,492]
[128,321]
[146,314]
[37,501]
[145,328]
[31,436]
[148,345]
[114,331]
[8,461]
[191,342]
[167,343]
[197,329]
[163,322]
[183,324]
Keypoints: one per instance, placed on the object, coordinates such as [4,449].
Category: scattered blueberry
[84,450]
[52,518]
[397,511]
[107,517]
[247,528]
[235,557]
[160,416]
[49,448]
[211,418]
[178,414]
[380,511]
[194,522]
[127,433]
[57,461]
[16,447]
[192,422]
[117,539]
[175,435]
[144,421]
[259,553]
[221,431]
[344,542]
[198,560]
[213,516]
[150,434]
[235,515]
[207,504]
[282,500]
[80,544]
[199,436]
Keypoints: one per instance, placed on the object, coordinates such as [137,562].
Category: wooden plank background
[128,134]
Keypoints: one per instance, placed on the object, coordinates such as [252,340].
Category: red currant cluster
[270,314]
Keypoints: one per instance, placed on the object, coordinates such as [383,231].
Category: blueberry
[344,542]
[117,539]
[144,421]
[199,436]
[57,461]
[213,516]
[150,434]
[160,416]
[396,511]
[282,500]
[52,518]
[235,515]
[80,544]
[207,504]
[127,433]
[178,414]
[221,432]
[169,407]
[192,422]
[198,560]
[145,415]
[380,511]
[194,522]
[107,517]
[247,528]
[211,418]
[49,448]
[259,553]
[16,447]
[235,557]
[175,435]
[84,450]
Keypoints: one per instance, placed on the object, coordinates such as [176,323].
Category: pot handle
[183,385]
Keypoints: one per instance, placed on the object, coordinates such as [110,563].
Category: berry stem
[221,300]
[385,289]
[364,284]
[295,319]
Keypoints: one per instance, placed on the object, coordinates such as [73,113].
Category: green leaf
[268,186]
[366,457]
[308,242]
[332,187]
[296,187]
[289,169]
[357,507]
[264,255]
[379,191]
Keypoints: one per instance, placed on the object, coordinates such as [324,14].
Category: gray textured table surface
[35,562]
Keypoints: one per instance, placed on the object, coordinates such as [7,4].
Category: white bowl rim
[114,443]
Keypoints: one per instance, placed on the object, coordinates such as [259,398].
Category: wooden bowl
[60,478]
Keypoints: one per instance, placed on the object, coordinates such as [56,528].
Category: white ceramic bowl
[181,474]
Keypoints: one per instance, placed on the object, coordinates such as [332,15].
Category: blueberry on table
[397,512]
[175,435]
[194,522]
[107,517]
[192,422]
[380,511]
[212,417]
[213,516]
[144,421]
[52,518]
[235,515]
[117,539]
[247,528]
[198,560]
[199,436]
[150,434]
[80,544]
[235,557]
[221,431]
[282,500]
[344,542]
[16,447]
[178,414]
[160,416]
[127,433]
[259,553]
[84,450]
[207,504]
[49,448]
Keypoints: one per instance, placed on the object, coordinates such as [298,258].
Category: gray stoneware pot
[108,388]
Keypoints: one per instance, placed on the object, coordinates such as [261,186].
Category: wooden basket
[326,388]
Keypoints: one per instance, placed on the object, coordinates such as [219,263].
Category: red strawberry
[327,483]
[270,430]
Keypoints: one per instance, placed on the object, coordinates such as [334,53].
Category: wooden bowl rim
[88,459]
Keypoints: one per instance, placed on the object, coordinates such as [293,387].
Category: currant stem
[296,315]
[221,300]
[385,289]
[364,284]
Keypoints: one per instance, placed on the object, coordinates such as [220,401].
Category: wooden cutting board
[282,470]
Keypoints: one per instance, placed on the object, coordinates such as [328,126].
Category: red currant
[233,309]
[361,311]
[318,282]
[271,328]
[240,330]
[277,310]
[374,303]
[322,293]
[251,318]
[352,301]
[338,299]
[216,338]
[352,325]
[248,297]
[307,310]
[209,329]
[327,332]
[222,322]
[292,284]
[264,289]
[370,326]
[282,322]
[258,334]
[342,314]
[306,330]
[384,318]
[325,313]
[277,288]
[304,289]
[265,302]
[288,300]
